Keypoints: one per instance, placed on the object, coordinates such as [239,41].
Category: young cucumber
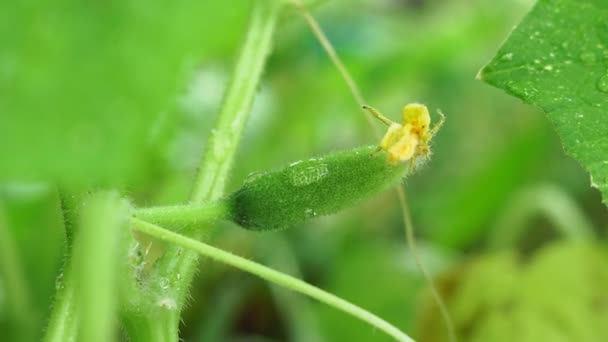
[277,199]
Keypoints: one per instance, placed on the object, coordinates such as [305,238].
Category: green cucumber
[305,189]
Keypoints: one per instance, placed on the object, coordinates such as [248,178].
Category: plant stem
[237,102]
[68,205]
[411,242]
[144,328]
[178,266]
[331,52]
[271,275]
[96,259]
[85,308]
[63,324]
[185,215]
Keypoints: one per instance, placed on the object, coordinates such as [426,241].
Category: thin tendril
[270,275]
[352,86]
[411,241]
[407,220]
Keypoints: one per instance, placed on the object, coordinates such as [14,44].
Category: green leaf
[557,59]
[504,297]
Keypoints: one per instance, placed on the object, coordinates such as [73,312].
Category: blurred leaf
[557,59]
[84,85]
[558,295]
[467,202]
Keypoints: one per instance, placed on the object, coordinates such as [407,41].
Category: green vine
[270,275]
[177,266]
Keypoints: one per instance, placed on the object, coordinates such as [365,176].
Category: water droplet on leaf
[507,56]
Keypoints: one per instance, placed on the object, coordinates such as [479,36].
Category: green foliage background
[123,95]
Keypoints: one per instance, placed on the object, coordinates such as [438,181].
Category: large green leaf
[557,59]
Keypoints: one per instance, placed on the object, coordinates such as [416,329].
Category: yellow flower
[410,139]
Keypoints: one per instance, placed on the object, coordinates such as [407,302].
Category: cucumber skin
[278,199]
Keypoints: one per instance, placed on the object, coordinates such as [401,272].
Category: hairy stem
[96,260]
[185,215]
[63,322]
[271,275]
[237,102]
[89,281]
[178,266]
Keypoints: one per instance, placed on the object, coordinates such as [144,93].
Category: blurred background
[124,95]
